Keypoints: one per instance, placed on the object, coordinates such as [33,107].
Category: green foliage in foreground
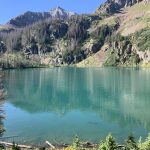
[107,144]
[15,147]
[110,144]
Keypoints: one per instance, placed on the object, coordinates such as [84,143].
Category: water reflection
[119,96]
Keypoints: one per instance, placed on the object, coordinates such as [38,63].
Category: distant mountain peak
[58,8]
[58,12]
[30,17]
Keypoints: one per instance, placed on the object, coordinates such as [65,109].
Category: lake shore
[48,145]
[79,65]
[18,61]
[108,143]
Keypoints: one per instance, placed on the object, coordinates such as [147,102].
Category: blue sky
[12,8]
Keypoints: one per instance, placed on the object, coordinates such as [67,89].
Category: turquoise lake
[58,104]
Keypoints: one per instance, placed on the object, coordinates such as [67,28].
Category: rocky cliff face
[113,6]
[122,52]
[29,17]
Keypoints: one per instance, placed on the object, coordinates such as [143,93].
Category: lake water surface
[58,104]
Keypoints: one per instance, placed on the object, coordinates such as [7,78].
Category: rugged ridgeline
[118,33]
[114,6]
[29,17]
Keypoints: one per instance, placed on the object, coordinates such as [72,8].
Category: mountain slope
[134,30]
[118,38]
[134,19]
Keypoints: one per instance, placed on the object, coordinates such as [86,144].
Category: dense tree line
[48,37]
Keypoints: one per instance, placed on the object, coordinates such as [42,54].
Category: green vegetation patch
[142,39]
[17,60]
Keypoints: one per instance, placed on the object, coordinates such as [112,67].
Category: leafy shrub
[131,144]
[144,145]
[142,39]
[76,143]
[108,144]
